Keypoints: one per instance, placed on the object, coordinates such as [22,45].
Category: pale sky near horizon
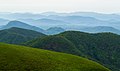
[35,6]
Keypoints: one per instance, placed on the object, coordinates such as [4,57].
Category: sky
[36,6]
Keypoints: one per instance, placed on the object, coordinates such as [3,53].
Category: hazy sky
[107,6]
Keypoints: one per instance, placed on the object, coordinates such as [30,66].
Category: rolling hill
[18,35]
[54,43]
[102,47]
[13,57]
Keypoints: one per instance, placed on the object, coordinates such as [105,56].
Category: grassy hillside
[18,35]
[22,58]
[102,47]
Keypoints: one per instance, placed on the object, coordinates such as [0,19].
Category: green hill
[18,35]
[55,43]
[102,47]
[20,58]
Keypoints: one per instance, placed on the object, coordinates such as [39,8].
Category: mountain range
[102,47]
[100,16]
[57,30]
[48,19]
[80,41]
[99,29]
[19,24]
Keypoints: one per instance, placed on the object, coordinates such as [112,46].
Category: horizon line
[64,12]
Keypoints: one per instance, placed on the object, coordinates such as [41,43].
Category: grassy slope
[22,58]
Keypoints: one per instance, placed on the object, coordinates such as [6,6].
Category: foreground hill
[18,35]
[22,58]
[102,47]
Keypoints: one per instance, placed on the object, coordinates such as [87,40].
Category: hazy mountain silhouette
[55,30]
[20,24]
[99,29]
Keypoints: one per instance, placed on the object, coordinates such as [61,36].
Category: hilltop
[16,35]
[54,43]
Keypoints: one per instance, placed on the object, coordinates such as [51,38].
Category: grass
[20,58]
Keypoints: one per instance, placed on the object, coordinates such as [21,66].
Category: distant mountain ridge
[65,19]
[51,21]
[100,16]
[57,30]
[54,30]
[81,20]
[20,24]
[100,29]
[3,21]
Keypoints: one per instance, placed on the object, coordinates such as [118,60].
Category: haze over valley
[59,35]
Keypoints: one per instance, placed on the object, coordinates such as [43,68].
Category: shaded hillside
[102,47]
[18,35]
[22,58]
[55,43]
